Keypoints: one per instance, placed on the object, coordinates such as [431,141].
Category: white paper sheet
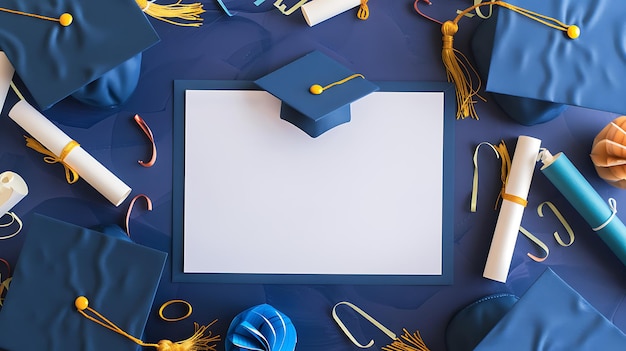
[261,196]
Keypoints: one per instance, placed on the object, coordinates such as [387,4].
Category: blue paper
[261,328]
[583,197]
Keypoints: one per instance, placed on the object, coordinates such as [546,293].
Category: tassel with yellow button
[190,13]
[459,70]
[197,342]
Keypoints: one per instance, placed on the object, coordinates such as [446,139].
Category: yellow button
[316,89]
[81,303]
[573,32]
[66,19]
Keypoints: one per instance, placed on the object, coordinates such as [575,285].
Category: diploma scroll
[512,209]
[12,190]
[318,11]
[584,198]
[55,140]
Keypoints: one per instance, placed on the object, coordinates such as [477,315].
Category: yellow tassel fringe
[190,13]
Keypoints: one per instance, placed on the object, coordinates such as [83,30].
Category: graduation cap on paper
[60,261]
[550,315]
[71,43]
[316,92]
[532,60]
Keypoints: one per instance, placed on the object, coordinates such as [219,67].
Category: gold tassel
[458,73]
[187,12]
[459,70]
[407,342]
[197,342]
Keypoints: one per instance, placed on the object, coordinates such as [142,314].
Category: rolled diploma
[13,188]
[510,216]
[54,139]
[584,198]
[318,11]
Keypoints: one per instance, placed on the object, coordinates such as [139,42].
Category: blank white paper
[261,196]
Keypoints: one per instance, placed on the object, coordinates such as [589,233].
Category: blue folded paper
[261,327]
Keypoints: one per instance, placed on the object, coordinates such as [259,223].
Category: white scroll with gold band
[514,201]
[69,153]
[318,11]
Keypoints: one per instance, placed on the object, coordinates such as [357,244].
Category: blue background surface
[394,44]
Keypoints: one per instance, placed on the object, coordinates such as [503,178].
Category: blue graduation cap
[533,60]
[60,46]
[59,262]
[550,315]
[316,92]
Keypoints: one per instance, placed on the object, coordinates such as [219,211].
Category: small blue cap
[315,113]
[54,60]
[535,61]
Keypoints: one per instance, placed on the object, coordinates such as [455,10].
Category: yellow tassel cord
[70,175]
[364,11]
[458,68]
[317,89]
[65,19]
[197,342]
[189,13]
[407,342]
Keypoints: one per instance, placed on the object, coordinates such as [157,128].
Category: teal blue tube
[583,197]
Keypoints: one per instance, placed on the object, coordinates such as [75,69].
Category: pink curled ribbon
[144,126]
[130,209]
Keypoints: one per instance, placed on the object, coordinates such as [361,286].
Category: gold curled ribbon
[406,342]
[561,219]
[474,199]
[171,302]
[14,219]
[538,242]
[70,174]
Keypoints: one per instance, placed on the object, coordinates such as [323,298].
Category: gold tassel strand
[459,70]
[414,342]
[187,12]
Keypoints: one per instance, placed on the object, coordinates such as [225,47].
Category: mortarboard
[532,60]
[551,315]
[53,59]
[58,263]
[316,111]
[525,111]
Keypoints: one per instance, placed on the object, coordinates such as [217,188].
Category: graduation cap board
[58,263]
[316,92]
[551,315]
[532,60]
[59,46]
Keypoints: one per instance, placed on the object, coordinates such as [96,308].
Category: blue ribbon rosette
[261,328]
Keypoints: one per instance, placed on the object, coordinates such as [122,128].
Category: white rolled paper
[13,189]
[55,140]
[6,75]
[318,11]
[510,216]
